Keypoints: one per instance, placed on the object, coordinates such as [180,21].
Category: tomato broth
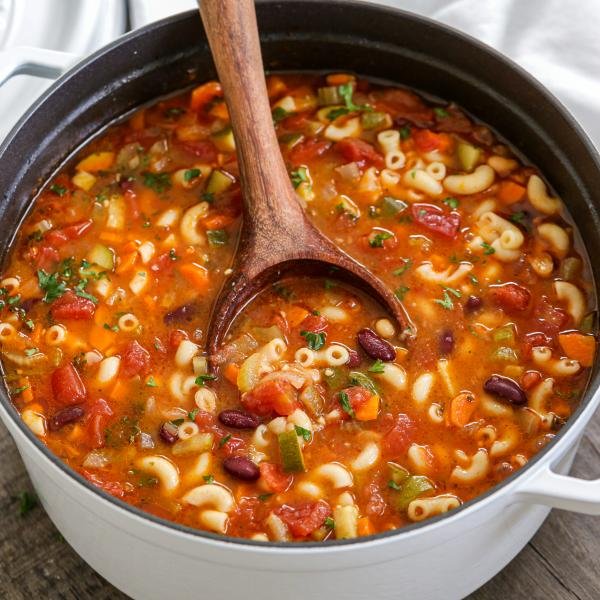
[320,418]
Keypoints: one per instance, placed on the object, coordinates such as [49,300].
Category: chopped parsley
[174,111]
[173,254]
[51,285]
[31,351]
[151,382]
[377,367]
[329,523]
[377,240]
[80,291]
[210,478]
[329,285]
[315,341]
[224,440]
[279,113]
[19,390]
[401,270]
[283,291]
[346,91]
[110,327]
[202,379]
[177,422]
[451,202]
[446,301]
[487,249]
[59,190]
[454,292]
[159,182]
[191,174]
[217,237]
[345,403]
[27,502]
[473,279]
[208,197]
[334,113]
[264,497]
[300,175]
[393,485]
[401,291]
[192,414]
[303,433]
[440,112]
[405,132]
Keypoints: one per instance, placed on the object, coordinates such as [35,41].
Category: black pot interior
[305,35]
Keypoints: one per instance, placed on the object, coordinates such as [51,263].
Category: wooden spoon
[277,238]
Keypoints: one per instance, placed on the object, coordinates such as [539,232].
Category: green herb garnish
[303,433]
[377,367]
[345,403]
[217,237]
[159,182]
[202,379]
[315,341]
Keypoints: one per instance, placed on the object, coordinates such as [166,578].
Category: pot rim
[566,435]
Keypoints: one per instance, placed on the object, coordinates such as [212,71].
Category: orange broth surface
[322,420]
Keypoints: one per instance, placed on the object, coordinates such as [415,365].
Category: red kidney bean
[446,342]
[169,432]
[375,346]
[506,389]
[353,359]
[65,416]
[473,303]
[238,419]
[183,313]
[242,468]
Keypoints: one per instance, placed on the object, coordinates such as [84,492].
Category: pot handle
[561,491]
[39,62]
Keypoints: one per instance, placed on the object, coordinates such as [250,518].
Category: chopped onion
[96,459]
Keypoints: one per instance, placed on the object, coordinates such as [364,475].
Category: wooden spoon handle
[232,33]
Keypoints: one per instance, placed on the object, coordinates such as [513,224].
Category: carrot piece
[138,120]
[148,200]
[217,221]
[97,161]
[461,409]
[510,192]
[295,315]
[119,391]
[127,262]
[203,94]
[365,526]
[27,393]
[102,315]
[275,87]
[219,110]
[197,275]
[101,338]
[110,237]
[369,410]
[579,347]
[339,78]
[230,372]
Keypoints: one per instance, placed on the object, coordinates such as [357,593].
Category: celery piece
[410,489]
[504,334]
[390,206]
[218,182]
[468,155]
[223,140]
[328,95]
[398,474]
[506,354]
[375,120]
[334,378]
[291,453]
[201,442]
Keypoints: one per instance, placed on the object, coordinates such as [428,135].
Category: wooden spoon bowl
[277,239]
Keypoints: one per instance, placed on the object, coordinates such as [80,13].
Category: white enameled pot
[444,558]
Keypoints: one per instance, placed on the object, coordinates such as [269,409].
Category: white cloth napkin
[557,41]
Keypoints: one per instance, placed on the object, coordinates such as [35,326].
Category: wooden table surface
[562,562]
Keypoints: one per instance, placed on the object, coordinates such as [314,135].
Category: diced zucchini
[201,442]
[410,489]
[266,334]
[102,256]
[347,206]
[375,120]
[291,453]
[249,373]
[390,206]
[505,353]
[346,522]
[289,140]
[570,268]
[219,181]
[224,141]
[334,378]
[468,155]
[328,95]
[398,474]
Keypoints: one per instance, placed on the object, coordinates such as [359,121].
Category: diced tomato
[530,379]
[274,478]
[46,258]
[98,415]
[114,488]
[308,150]
[435,219]
[550,318]
[511,297]
[357,395]
[295,122]
[359,151]
[314,324]
[232,445]
[67,387]
[204,150]
[427,141]
[71,306]
[534,339]
[271,396]
[162,264]
[176,337]
[303,519]
[135,360]
[59,237]
[398,439]
[204,420]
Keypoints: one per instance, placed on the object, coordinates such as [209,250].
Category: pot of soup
[321,451]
